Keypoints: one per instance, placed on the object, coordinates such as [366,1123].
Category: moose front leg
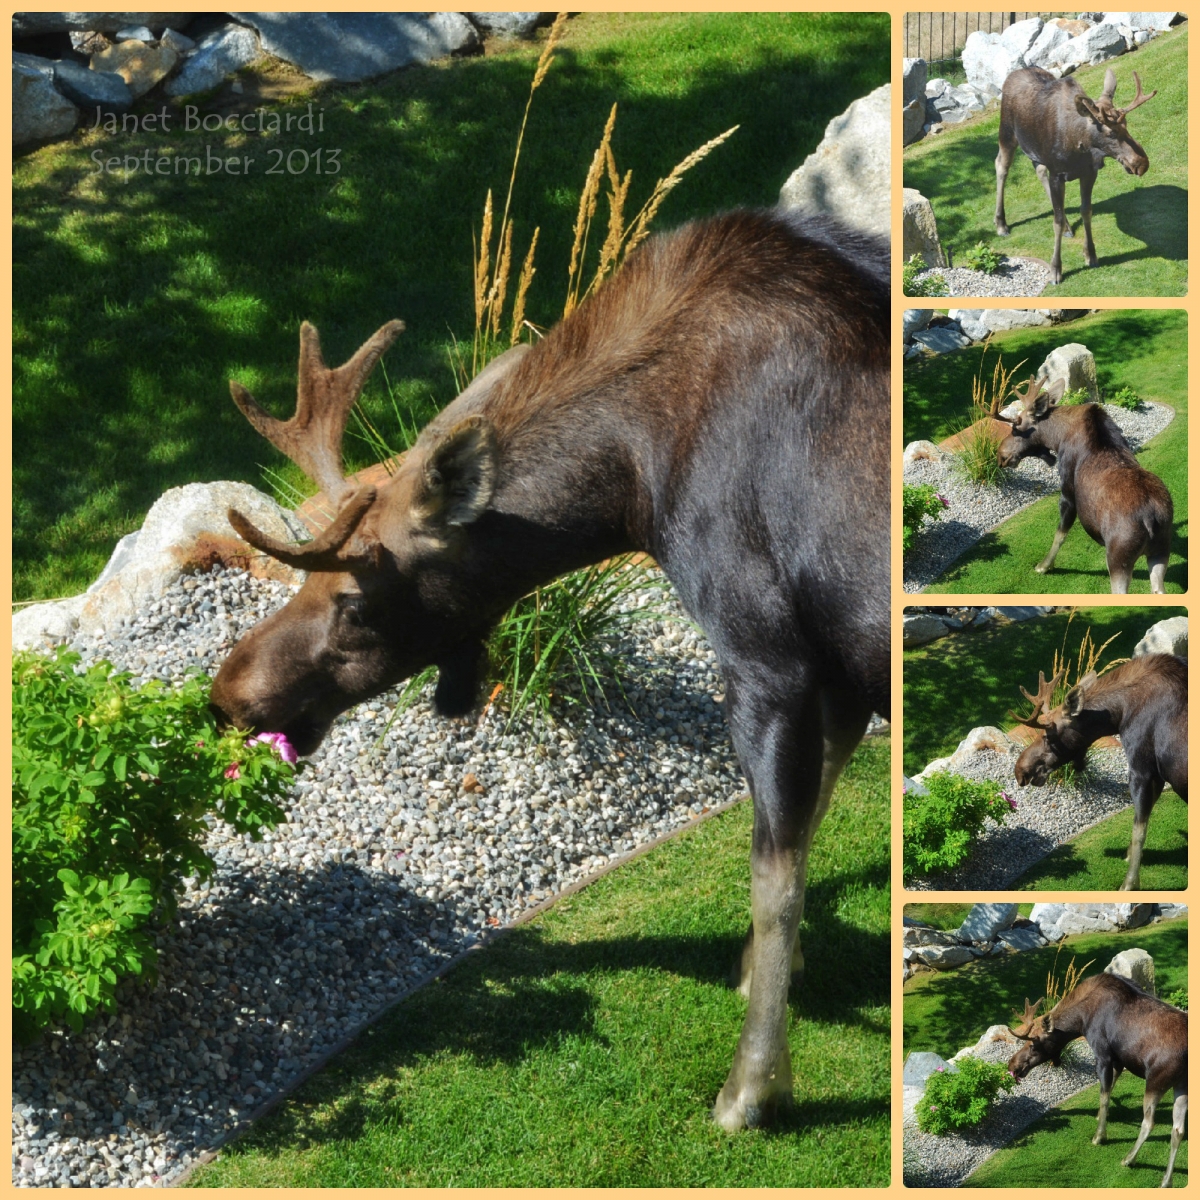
[792,750]
[1066,518]
[1108,1077]
[1008,147]
[1145,788]
[1086,183]
[1056,190]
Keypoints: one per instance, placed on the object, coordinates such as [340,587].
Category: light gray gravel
[1045,818]
[1014,277]
[975,509]
[387,868]
[931,1161]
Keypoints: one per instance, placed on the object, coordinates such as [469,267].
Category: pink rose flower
[279,742]
[233,771]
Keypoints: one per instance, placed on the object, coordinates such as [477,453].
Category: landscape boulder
[981,323]
[921,451]
[985,921]
[39,110]
[920,230]
[1134,964]
[1073,363]
[942,339]
[1165,637]
[348,47]
[105,90]
[141,66]
[510,24]
[920,1064]
[1026,937]
[920,628]
[1044,50]
[848,175]
[916,319]
[32,24]
[222,53]
[187,530]
[1094,45]
[942,958]
[987,60]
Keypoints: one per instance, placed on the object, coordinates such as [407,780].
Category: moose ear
[1110,85]
[1073,704]
[1087,108]
[1048,1024]
[1054,393]
[459,474]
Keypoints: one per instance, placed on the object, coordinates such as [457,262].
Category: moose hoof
[734,1112]
[1041,568]
[1098,1140]
[1001,230]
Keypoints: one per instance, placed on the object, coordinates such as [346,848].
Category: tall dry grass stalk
[1086,660]
[1057,988]
[979,446]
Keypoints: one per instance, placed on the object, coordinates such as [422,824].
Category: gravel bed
[945,1161]
[1014,277]
[975,509]
[1045,818]
[386,869]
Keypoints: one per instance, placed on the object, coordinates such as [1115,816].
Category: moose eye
[353,607]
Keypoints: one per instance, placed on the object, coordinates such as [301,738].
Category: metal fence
[939,37]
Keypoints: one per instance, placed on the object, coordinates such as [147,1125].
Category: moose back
[722,405]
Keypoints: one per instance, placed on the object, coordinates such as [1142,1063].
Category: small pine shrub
[983,258]
[1126,397]
[940,826]
[931,285]
[961,1099]
[112,786]
[920,501]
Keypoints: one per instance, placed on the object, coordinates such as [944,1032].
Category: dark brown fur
[1144,701]
[1066,136]
[721,404]
[1127,1030]
[1120,504]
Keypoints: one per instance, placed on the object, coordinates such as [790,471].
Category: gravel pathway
[976,509]
[1045,818]
[386,870]
[931,1161]
[1014,277]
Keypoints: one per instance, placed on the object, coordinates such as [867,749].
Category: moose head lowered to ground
[1144,701]
[1066,136]
[722,405]
[1124,507]
[1127,1030]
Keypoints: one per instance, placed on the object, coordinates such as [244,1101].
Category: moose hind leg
[792,752]
[1178,1131]
[1148,1105]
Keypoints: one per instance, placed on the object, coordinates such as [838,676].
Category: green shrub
[1178,997]
[1126,397]
[932,285]
[939,826]
[111,788]
[961,1099]
[1074,396]
[983,258]
[920,500]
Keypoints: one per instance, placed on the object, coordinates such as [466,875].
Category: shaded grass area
[973,678]
[948,1010]
[1139,225]
[1059,1146]
[1145,350]
[136,300]
[1095,859]
[949,916]
[586,1048]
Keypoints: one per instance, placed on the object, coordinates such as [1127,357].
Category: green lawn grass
[973,678]
[586,1048]
[1139,225]
[1095,859]
[1145,350]
[135,301]
[947,1010]
[1058,1149]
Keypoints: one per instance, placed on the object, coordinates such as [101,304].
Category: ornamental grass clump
[113,789]
[961,1099]
[940,825]
[978,455]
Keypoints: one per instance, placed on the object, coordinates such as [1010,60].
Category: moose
[721,404]
[1066,136]
[1124,507]
[1144,701]
[1128,1030]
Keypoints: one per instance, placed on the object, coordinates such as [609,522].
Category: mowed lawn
[1142,349]
[136,300]
[586,1048]
[1059,1146]
[1139,224]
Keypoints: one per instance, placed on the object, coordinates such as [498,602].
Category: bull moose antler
[1031,1012]
[312,439]
[1139,99]
[1039,717]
